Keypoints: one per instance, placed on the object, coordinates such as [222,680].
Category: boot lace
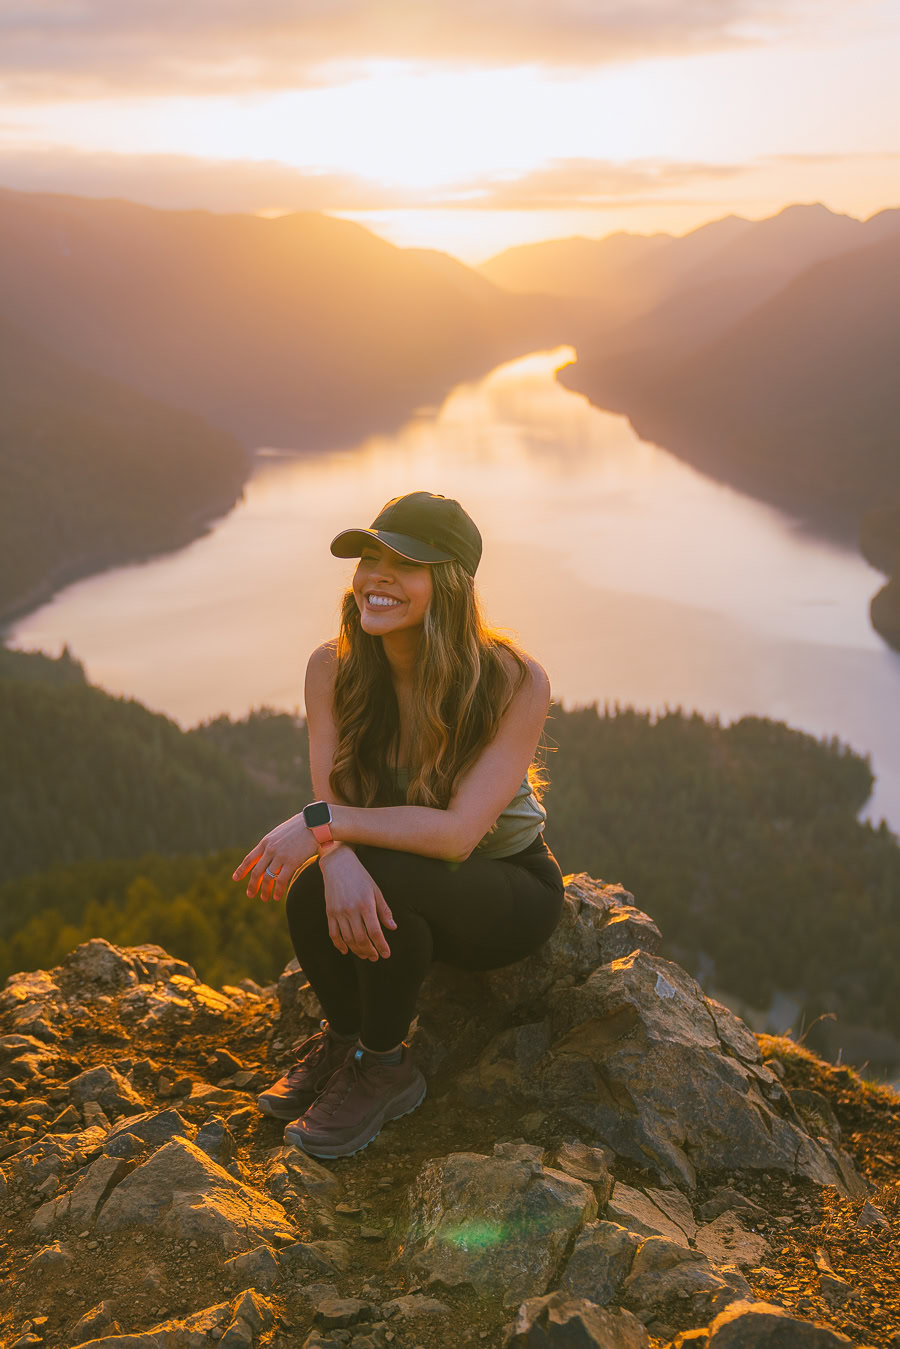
[341,1085]
[308,1052]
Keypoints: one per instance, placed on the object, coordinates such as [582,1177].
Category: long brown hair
[462,687]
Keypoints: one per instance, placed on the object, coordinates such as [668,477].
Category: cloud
[189,182]
[572,184]
[58,49]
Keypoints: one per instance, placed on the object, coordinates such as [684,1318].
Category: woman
[422,722]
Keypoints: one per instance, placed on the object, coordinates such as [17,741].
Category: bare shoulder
[538,682]
[322,664]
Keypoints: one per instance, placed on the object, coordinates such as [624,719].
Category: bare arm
[488,786]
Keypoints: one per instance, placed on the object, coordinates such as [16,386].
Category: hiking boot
[360,1098]
[317,1059]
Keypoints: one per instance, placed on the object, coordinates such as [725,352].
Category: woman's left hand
[283,851]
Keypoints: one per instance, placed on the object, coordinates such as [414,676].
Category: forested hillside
[95,473]
[742,839]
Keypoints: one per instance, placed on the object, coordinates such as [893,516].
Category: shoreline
[195,525]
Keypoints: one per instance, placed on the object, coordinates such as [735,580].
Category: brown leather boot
[317,1058]
[360,1098]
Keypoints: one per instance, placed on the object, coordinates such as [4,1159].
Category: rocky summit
[605,1157]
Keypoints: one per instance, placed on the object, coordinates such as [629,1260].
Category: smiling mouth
[382,606]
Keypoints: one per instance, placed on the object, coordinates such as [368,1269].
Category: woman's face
[382,572]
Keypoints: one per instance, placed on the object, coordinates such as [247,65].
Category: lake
[629,575]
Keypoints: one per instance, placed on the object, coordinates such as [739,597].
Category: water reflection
[627,573]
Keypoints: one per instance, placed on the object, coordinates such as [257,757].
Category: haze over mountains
[304,331]
[763,352]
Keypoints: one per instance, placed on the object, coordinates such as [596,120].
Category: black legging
[478,914]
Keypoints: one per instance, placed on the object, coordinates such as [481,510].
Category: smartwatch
[317,818]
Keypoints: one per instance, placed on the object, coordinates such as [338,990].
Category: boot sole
[353,1145]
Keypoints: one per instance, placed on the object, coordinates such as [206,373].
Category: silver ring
[272,874]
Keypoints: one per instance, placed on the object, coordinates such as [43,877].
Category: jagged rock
[318,1257]
[55,1153]
[870,1216]
[499,1225]
[573,1323]
[217,1141]
[600,1262]
[626,929]
[297,1001]
[761,1325]
[11,1046]
[641,1059]
[192,1332]
[98,1319]
[335,1313]
[587,1164]
[506,1064]
[155,965]
[99,962]
[153,1127]
[31,986]
[638,1211]
[235,1325]
[259,1267]
[205,1094]
[517,1150]
[91,1191]
[726,1198]
[30,1066]
[292,1173]
[256,1311]
[726,1241]
[182,1192]
[112,1092]
[54,1256]
[94,1114]
[664,1270]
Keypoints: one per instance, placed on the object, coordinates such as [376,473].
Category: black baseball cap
[423,526]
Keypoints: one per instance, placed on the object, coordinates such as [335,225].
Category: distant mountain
[576,267]
[96,474]
[301,331]
[664,299]
[797,403]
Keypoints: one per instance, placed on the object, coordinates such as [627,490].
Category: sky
[454,124]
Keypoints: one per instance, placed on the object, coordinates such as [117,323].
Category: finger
[376,936]
[377,939]
[248,862]
[269,882]
[335,935]
[347,933]
[281,885]
[361,944]
[381,908]
[257,875]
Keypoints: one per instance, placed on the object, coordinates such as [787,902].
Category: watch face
[316,813]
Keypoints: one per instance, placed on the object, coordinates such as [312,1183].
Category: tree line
[741,841]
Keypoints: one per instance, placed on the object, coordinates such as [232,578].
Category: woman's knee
[305,893]
[395,870]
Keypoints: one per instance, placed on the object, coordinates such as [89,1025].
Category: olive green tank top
[517,826]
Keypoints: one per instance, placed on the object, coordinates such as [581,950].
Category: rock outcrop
[583,1171]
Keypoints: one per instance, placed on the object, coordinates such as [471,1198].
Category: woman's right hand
[355,906]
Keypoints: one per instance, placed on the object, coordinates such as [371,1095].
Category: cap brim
[351,542]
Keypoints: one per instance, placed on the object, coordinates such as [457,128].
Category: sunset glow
[660,132]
